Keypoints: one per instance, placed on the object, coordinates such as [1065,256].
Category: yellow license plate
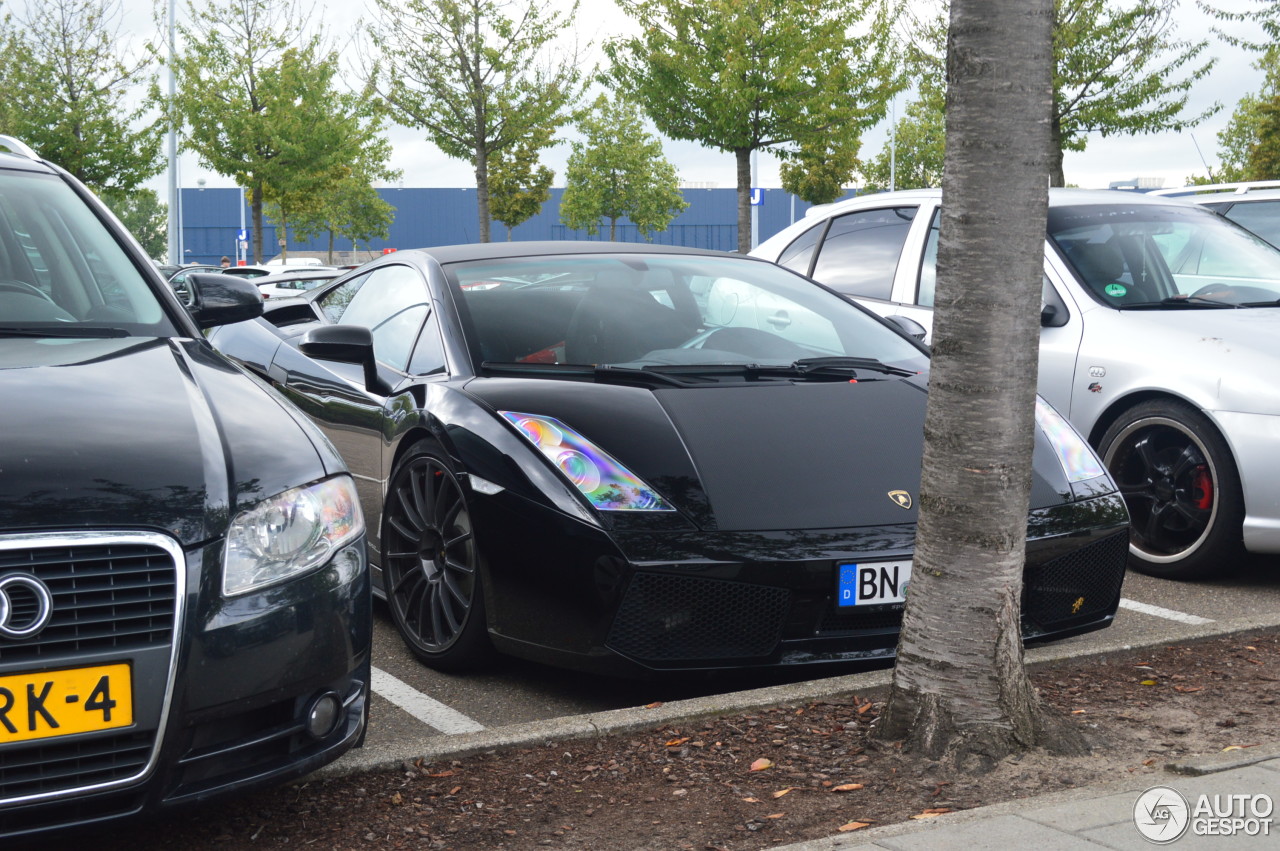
[59,703]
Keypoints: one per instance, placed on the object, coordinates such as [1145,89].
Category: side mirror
[1053,310]
[909,326]
[346,344]
[221,300]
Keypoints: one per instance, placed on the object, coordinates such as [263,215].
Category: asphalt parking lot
[414,705]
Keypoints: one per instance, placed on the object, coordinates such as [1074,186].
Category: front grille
[105,597]
[1078,586]
[669,618]
[852,619]
[115,593]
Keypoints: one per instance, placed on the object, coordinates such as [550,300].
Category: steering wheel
[24,287]
[1211,289]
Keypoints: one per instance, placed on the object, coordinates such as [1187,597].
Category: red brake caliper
[1202,488]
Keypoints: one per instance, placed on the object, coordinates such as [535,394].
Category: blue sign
[242,235]
[757,197]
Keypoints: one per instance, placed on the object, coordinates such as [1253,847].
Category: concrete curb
[430,749]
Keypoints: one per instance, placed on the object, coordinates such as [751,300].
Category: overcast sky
[1172,157]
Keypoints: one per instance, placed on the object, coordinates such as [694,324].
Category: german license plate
[60,703]
[872,583]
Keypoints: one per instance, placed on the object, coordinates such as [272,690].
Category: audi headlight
[1076,456]
[289,534]
[605,483]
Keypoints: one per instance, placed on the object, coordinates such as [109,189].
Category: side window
[334,304]
[1261,217]
[393,338]
[428,355]
[798,256]
[860,252]
[385,292]
[929,266]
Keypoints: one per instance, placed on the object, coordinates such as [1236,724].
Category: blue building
[426,217]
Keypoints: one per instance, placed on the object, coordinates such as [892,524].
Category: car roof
[1058,197]
[16,155]
[312,273]
[1214,193]
[535,248]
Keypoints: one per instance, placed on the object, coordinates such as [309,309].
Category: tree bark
[1057,176]
[960,690]
[255,207]
[482,190]
[743,157]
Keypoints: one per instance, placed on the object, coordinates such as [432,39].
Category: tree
[959,686]
[819,174]
[67,81]
[919,142]
[474,75]
[1117,70]
[141,212]
[618,171]
[260,102]
[349,206]
[1250,143]
[518,185]
[747,75]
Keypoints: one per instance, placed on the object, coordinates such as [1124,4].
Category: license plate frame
[872,583]
[64,702]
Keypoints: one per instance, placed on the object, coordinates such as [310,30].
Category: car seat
[1102,267]
[617,321]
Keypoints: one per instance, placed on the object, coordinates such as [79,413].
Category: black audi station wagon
[184,595]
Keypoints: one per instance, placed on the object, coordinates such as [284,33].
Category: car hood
[754,456]
[139,433]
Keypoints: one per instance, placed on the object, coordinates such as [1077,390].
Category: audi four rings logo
[25,605]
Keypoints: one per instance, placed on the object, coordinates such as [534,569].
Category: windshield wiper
[829,367]
[1182,301]
[602,372]
[72,332]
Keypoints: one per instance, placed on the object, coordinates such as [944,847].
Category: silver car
[1160,341]
[1254,206]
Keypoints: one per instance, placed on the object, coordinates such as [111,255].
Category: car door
[393,303]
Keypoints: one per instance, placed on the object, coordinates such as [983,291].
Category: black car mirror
[909,326]
[221,300]
[345,344]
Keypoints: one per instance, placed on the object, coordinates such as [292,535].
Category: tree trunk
[743,156]
[1057,177]
[329,257]
[960,690]
[284,237]
[482,191]
[613,228]
[255,207]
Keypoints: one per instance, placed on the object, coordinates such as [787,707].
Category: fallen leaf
[752,800]
[1148,762]
[1149,683]
[847,787]
[854,825]
[1188,689]
[397,799]
[1254,649]
[932,812]
[653,705]
[775,815]
[455,790]
[442,774]
[1232,748]
[863,708]
[1253,661]
[1077,712]
[761,764]
[675,742]
[782,792]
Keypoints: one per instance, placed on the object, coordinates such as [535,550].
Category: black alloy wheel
[430,564]
[1178,478]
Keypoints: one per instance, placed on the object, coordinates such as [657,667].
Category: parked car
[646,458]
[1161,327]
[295,281]
[1254,206]
[249,271]
[184,597]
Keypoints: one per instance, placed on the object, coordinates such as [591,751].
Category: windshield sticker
[1116,290]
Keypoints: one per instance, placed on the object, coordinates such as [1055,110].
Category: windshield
[62,271]
[653,310]
[1130,255]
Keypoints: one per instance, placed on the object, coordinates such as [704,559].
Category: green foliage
[745,75]
[820,174]
[141,212]
[66,81]
[1118,70]
[475,75]
[518,185]
[1265,15]
[261,105]
[349,206]
[618,171]
[1264,154]
[918,146]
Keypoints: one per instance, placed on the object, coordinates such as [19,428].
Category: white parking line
[1157,611]
[428,711]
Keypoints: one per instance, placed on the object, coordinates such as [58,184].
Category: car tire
[430,563]
[1177,476]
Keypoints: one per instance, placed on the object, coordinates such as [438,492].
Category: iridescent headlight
[1078,460]
[608,485]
